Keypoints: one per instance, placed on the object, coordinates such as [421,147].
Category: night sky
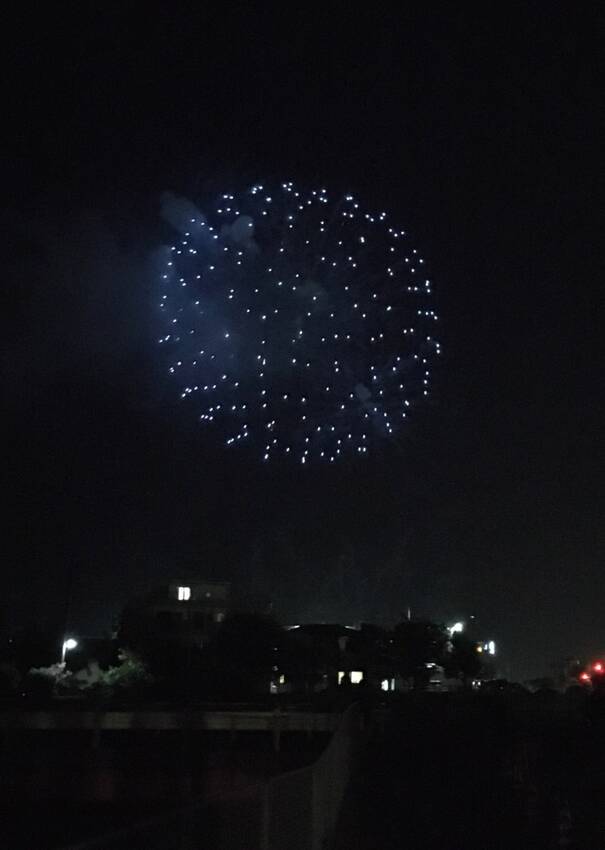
[482,136]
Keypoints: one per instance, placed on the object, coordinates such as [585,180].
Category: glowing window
[184,593]
[356,676]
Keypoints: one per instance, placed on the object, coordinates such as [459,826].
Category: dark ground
[435,772]
[57,790]
[446,776]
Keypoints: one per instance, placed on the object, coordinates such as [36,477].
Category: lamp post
[68,644]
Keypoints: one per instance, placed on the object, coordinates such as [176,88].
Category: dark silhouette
[463,661]
[417,644]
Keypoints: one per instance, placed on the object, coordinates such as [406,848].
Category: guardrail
[276,722]
[253,721]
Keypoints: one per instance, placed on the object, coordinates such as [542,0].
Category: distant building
[340,656]
[190,610]
[185,610]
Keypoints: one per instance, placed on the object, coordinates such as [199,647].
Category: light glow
[67,646]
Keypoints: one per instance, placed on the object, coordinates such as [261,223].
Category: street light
[68,644]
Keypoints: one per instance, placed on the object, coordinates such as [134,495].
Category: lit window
[220,616]
[184,594]
[355,676]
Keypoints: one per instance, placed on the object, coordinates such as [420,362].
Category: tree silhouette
[416,644]
[244,655]
[463,661]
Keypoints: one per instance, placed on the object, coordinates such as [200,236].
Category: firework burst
[298,323]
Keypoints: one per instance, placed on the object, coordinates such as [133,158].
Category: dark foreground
[443,774]
[58,791]
[432,772]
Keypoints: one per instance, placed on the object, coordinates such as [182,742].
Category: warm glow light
[598,667]
[356,676]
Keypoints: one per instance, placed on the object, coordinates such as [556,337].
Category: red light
[584,677]
[598,667]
